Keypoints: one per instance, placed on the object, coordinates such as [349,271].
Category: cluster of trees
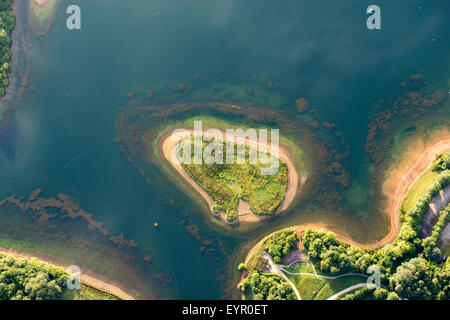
[411,267]
[7,21]
[430,244]
[266,287]
[279,244]
[29,279]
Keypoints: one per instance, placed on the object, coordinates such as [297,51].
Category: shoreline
[413,172]
[170,140]
[85,279]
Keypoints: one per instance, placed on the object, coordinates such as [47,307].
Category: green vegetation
[227,184]
[315,288]
[266,287]
[88,293]
[411,267]
[40,16]
[300,267]
[29,279]
[441,163]
[420,186]
[279,244]
[7,21]
[367,293]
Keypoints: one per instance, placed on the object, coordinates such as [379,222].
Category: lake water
[319,50]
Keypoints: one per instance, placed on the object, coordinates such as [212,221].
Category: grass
[446,250]
[418,188]
[229,183]
[88,293]
[315,288]
[300,267]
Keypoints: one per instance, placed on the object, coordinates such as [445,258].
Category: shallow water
[63,141]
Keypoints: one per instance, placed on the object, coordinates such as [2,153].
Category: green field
[229,183]
[315,288]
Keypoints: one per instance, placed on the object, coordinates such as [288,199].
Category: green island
[31,279]
[319,266]
[7,20]
[230,184]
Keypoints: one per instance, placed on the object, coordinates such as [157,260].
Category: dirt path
[86,279]
[405,177]
[169,151]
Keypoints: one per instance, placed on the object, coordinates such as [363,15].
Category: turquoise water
[63,141]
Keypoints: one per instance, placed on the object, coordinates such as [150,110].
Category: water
[318,50]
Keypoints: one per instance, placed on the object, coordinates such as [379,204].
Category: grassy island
[41,14]
[231,184]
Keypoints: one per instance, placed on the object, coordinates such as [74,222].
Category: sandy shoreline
[406,175]
[86,279]
[244,214]
[42,2]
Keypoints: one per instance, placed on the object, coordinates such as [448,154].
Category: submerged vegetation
[227,184]
[279,244]
[7,21]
